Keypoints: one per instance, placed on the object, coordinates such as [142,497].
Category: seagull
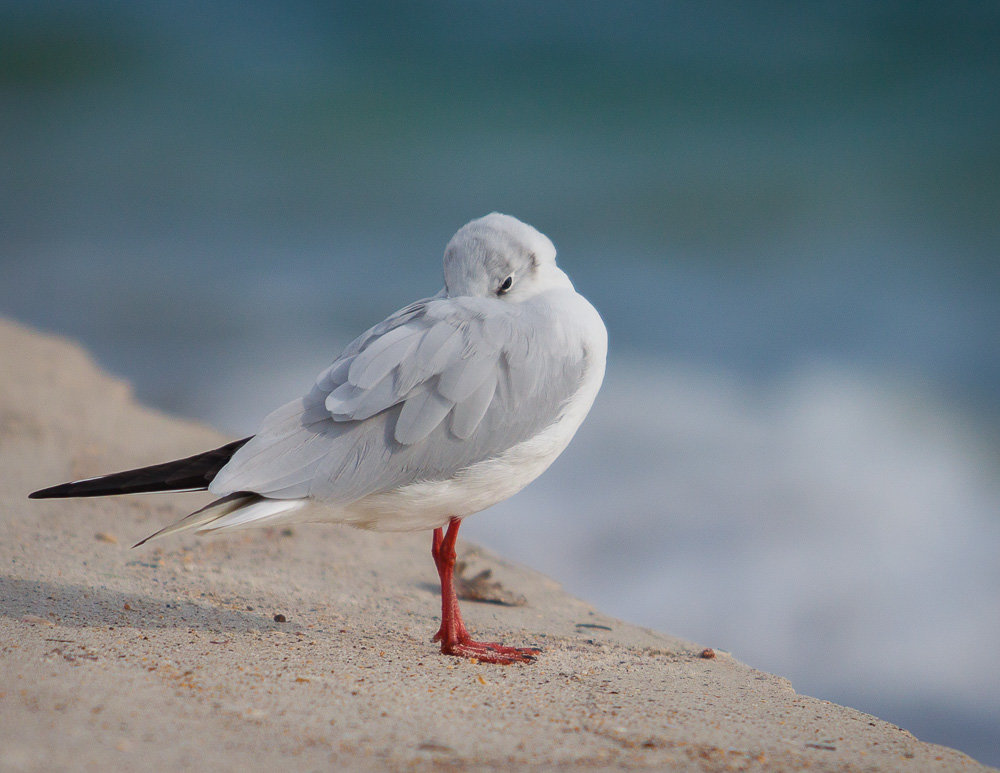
[450,405]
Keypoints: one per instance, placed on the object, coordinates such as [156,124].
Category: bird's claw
[490,652]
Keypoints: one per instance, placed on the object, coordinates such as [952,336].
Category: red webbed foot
[489,652]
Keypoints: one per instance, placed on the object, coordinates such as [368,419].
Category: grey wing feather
[421,413]
[333,376]
[440,385]
[440,346]
[383,355]
[467,414]
[460,379]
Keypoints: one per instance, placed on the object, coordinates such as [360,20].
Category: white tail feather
[236,511]
[254,513]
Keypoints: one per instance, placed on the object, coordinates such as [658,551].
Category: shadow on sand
[87,606]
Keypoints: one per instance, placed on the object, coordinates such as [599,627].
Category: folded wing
[440,385]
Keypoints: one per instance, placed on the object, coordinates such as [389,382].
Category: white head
[498,256]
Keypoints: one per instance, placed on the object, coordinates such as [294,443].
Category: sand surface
[169,655]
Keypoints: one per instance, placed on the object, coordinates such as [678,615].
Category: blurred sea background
[787,213]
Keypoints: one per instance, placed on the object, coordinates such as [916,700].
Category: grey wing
[440,385]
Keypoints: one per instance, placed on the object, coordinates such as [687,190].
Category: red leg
[454,637]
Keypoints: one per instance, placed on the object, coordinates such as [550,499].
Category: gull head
[498,256]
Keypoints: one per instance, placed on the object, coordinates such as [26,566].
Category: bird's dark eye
[505,286]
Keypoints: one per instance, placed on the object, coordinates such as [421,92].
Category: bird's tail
[191,474]
[241,510]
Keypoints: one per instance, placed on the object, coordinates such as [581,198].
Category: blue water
[788,214]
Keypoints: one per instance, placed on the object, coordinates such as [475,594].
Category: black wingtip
[95,487]
[193,473]
[53,492]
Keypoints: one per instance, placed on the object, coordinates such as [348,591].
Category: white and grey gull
[450,405]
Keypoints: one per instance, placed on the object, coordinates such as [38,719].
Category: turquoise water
[789,215]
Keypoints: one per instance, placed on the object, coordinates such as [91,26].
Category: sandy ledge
[169,655]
